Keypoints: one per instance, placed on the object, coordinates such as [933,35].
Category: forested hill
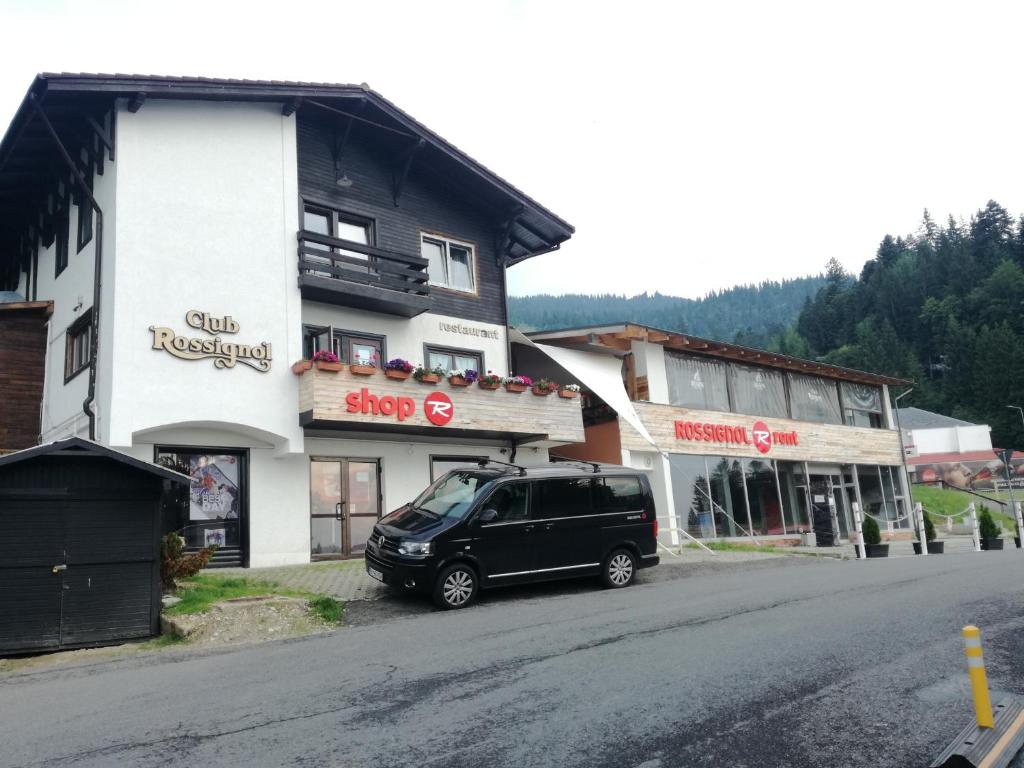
[944,307]
[750,314]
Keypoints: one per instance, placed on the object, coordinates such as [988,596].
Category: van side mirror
[488,516]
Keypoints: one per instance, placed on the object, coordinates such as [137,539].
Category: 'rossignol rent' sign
[759,435]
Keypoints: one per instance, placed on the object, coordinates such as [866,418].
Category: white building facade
[240,228]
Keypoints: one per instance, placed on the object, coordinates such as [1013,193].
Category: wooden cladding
[22,367]
[343,398]
[791,440]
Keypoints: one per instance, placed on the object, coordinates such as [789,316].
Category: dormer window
[452,263]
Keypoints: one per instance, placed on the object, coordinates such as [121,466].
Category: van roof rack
[565,460]
[484,461]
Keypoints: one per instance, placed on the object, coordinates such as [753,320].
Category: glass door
[344,505]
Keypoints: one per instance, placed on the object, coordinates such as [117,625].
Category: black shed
[79,546]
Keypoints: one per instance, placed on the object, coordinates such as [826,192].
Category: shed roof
[77,446]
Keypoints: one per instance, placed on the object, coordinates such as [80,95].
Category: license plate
[375,574]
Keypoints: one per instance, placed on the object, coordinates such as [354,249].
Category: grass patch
[734,546]
[200,592]
[939,502]
[164,641]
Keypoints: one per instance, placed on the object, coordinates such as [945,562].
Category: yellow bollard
[979,682]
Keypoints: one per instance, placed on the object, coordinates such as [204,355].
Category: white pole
[1020,522]
[858,527]
[975,533]
[919,522]
[835,516]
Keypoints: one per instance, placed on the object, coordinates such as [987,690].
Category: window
[511,501]
[757,391]
[450,263]
[343,226]
[78,349]
[453,359]
[84,216]
[696,383]
[619,494]
[350,347]
[862,404]
[441,464]
[567,497]
[814,399]
[453,494]
[60,243]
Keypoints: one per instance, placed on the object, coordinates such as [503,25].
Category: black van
[503,524]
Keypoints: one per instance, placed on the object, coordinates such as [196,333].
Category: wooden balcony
[361,276]
[340,401]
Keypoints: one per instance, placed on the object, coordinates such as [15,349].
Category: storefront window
[728,496]
[862,404]
[757,391]
[763,498]
[696,383]
[793,489]
[691,495]
[881,495]
[814,399]
[210,511]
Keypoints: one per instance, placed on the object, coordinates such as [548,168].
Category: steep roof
[918,418]
[77,446]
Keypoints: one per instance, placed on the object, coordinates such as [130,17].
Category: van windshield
[453,494]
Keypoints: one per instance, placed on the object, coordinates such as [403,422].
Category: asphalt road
[798,662]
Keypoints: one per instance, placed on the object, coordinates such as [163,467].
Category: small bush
[871,533]
[989,528]
[929,529]
[175,563]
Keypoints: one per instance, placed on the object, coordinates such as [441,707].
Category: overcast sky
[693,145]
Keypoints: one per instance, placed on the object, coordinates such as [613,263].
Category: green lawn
[732,546]
[200,592]
[939,502]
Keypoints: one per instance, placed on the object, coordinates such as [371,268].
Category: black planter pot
[934,547]
[1016,541]
[991,544]
[876,550]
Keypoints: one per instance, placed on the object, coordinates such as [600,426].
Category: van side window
[566,497]
[512,502]
[619,494]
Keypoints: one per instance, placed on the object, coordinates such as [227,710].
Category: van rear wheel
[619,569]
[456,587]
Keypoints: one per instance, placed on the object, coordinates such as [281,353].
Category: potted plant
[301,367]
[1016,538]
[397,368]
[569,391]
[365,370]
[989,530]
[934,547]
[517,384]
[327,361]
[489,380]
[544,387]
[462,378]
[428,375]
[873,546]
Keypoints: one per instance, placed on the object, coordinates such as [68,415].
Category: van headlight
[414,548]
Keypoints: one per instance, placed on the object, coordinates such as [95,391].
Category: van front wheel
[619,569]
[456,587]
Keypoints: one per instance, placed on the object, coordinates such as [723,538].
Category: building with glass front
[739,442]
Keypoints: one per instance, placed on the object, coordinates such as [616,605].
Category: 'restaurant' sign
[437,406]
[757,435]
[225,354]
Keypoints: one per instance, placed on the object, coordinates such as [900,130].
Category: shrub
[929,528]
[988,527]
[175,563]
[871,533]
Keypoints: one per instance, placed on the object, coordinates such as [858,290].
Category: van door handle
[527,528]
[548,526]
[59,568]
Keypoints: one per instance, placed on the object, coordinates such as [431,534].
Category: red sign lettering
[364,402]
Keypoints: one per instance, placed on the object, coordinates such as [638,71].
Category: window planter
[323,365]
[301,367]
[539,392]
[392,373]
[489,385]
[458,381]
[429,378]
[517,388]
[363,370]
[568,394]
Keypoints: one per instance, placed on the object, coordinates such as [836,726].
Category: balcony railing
[355,275]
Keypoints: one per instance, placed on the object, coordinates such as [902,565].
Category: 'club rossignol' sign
[225,354]
[759,435]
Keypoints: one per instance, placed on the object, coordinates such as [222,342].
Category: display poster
[989,475]
[213,492]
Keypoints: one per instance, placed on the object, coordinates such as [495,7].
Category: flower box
[541,391]
[363,370]
[458,381]
[492,385]
[568,394]
[301,367]
[429,378]
[517,388]
[323,365]
[392,373]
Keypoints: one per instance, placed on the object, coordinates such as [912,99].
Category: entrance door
[821,511]
[344,505]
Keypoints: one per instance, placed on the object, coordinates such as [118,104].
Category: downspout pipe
[87,404]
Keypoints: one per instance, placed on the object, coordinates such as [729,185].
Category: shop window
[793,489]
[757,391]
[862,405]
[453,359]
[881,495]
[763,500]
[451,264]
[350,346]
[78,346]
[696,382]
[60,242]
[814,399]
[692,495]
[728,496]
